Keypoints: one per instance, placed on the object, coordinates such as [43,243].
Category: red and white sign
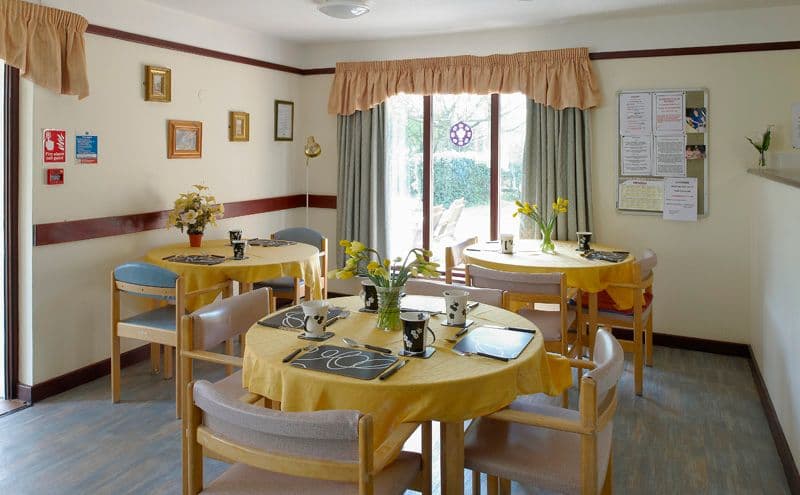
[54,146]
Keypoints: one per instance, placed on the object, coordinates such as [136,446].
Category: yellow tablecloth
[445,387]
[587,275]
[262,263]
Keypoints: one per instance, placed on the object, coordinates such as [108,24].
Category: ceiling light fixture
[341,9]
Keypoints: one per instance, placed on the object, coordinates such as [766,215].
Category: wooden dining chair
[159,326]
[313,453]
[292,287]
[524,292]
[638,319]
[454,259]
[428,287]
[537,444]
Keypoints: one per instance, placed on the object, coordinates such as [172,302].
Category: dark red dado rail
[92,228]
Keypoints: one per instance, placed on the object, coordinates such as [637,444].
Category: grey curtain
[361,211]
[557,163]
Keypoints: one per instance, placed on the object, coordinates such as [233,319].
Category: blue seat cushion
[282,283]
[162,318]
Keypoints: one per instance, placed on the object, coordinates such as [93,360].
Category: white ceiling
[299,21]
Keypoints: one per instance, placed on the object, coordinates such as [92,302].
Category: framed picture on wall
[157,84]
[239,126]
[184,139]
[284,120]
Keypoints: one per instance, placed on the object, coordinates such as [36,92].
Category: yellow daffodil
[344,243]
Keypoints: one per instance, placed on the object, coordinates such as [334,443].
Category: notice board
[662,136]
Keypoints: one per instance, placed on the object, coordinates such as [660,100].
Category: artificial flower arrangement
[763,146]
[389,277]
[545,222]
[194,210]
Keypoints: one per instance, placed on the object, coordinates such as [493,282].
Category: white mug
[507,243]
[316,316]
[455,306]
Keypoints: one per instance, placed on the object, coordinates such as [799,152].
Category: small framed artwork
[284,120]
[157,84]
[184,139]
[239,126]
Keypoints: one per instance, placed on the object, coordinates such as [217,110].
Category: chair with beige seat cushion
[454,259]
[313,453]
[528,290]
[427,287]
[537,444]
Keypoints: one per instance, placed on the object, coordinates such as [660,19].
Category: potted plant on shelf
[545,222]
[389,278]
[193,211]
[763,146]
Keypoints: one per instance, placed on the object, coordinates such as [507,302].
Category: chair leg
[648,340]
[169,366]
[427,458]
[491,485]
[242,342]
[155,358]
[638,358]
[607,485]
[115,366]
[476,482]
[229,352]
[505,487]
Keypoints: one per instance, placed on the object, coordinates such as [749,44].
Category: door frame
[11,229]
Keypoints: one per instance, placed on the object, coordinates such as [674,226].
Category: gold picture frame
[284,120]
[157,84]
[238,126]
[184,139]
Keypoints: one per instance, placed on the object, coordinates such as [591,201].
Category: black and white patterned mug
[315,315]
[235,235]
[455,306]
[583,241]
[415,331]
[370,293]
[507,243]
[238,249]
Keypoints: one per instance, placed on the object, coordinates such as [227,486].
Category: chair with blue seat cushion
[159,326]
[313,453]
[295,288]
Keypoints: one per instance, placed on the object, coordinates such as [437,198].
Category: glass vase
[547,241]
[762,159]
[389,308]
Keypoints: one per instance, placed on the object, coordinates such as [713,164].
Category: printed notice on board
[670,156]
[669,113]
[637,155]
[635,114]
[641,194]
[680,199]
[86,148]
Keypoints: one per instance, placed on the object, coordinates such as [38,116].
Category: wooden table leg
[452,457]
[245,287]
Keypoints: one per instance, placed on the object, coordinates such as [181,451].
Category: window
[466,182]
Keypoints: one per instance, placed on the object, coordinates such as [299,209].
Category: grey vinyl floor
[698,429]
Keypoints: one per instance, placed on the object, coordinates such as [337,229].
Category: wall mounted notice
[635,114]
[796,125]
[637,155]
[668,114]
[86,148]
[670,156]
[680,199]
[641,194]
[54,146]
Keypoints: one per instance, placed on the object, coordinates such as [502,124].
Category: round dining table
[296,260]
[445,387]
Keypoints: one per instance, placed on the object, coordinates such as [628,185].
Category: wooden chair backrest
[454,256]
[203,439]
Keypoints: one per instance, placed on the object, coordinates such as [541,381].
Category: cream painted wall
[69,315]
[703,278]
[774,289]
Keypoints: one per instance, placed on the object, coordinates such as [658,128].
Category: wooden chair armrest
[387,451]
[540,420]
[212,288]
[582,364]
[213,357]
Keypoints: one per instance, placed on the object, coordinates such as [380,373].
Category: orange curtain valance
[556,78]
[46,45]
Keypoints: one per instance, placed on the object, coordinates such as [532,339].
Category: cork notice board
[661,134]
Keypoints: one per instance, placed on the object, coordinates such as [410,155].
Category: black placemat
[270,242]
[293,318]
[355,363]
[196,259]
[498,342]
[612,256]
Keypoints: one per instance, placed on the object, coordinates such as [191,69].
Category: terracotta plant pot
[195,240]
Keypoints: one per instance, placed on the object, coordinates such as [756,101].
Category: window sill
[788,176]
